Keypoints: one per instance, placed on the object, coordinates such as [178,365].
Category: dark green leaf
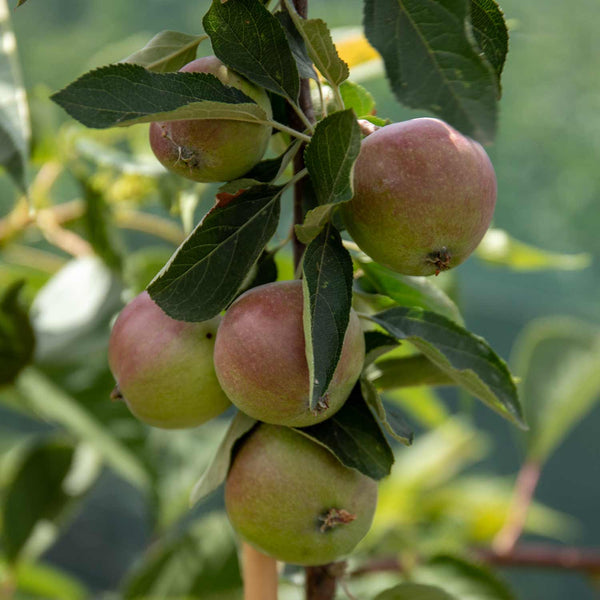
[207,270]
[217,471]
[297,46]
[35,493]
[126,94]
[415,591]
[463,579]
[264,271]
[321,48]
[465,357]
[490,32]
[330,156]
[14,114]
[388,415]
[167,51]
[557,359]
[377,344]
[250,40]
[357,98]
[432,61]
[327,288]
[17,339]
[200,562]
[270,169]
[410,291]
[354,436]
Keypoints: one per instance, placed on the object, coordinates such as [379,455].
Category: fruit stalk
[260,574]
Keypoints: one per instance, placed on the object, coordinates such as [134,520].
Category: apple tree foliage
[444,57]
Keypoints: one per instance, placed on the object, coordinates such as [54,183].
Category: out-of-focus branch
[525,486]
[533,556]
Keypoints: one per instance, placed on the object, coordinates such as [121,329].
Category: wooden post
[259,573]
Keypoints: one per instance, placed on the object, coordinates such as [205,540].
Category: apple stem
[321,582]
[259,574]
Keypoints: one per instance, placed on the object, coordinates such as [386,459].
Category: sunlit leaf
[499,249]
[557,360]
[217,471]
[167,51]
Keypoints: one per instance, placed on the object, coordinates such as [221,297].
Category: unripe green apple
[260,357]
[164,368]
[292,499]
[424,196]
[213,149]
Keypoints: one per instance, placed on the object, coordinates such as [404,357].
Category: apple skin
[279,490]
[424,196]
[260,357]
[209,150]
[164,368]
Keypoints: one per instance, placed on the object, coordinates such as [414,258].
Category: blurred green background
[546,159]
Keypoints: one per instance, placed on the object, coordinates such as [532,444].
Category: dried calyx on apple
[292,499]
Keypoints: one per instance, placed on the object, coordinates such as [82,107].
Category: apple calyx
[335,517]
[441,259]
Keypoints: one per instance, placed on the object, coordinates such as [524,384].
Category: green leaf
[17,340]
[217,471]
[433,63]
[409,291]
[388,415]
[407,371]
[314,222]
[200,562]
[463,579]
[557,359]
[490,32]
[126,94]
[297,46]
[36,493]
[330,156]
[207,270]
[14,112]
[465,357]
[354,437]
[167,51]
[321,48]
[52,404]
[327,290]
[45,581]
[250,40]
[415,591]
[498,248]
[357,98]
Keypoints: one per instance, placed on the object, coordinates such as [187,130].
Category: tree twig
[533,556]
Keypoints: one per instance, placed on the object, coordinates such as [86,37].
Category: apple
[424,196]
[260,357]
[292,499]
[164,368]
[213,149]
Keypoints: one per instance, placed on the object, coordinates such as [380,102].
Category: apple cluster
[423,198]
